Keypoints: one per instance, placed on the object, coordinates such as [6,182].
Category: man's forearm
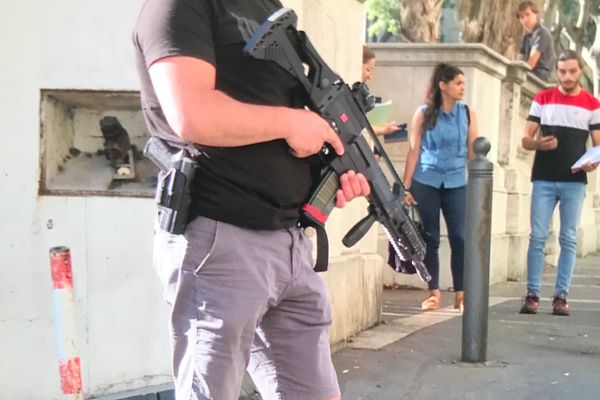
[534,58]
[199,113]
[219,120]
[529,143]
[411,164]
[596,137]
[528,140]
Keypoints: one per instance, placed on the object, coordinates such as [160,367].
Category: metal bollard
[64,322]
[477,254]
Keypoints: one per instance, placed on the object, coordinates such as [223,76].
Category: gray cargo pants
[245,299]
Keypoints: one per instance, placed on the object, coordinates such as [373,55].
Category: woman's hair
[368,54]
[442,73]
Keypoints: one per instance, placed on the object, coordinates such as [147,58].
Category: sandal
[431,303]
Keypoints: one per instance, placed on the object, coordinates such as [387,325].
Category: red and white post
[64,322]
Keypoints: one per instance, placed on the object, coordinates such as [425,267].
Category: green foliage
[570,10]
[595,8]
[590,34]
[384,16]
[450,4]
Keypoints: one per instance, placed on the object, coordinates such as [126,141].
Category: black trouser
[452,204]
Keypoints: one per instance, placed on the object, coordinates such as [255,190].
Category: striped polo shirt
[570,119]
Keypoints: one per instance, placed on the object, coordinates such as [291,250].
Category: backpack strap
[468,114]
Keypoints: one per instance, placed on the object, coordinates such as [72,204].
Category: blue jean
[452,203]
[544,198]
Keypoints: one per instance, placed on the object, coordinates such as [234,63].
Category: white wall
[122,333]
[69,45]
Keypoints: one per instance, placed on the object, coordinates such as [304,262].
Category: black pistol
[173,191]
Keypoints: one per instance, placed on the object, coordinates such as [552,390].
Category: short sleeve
[535,111]
[545,41]
[168,28]
[536,41]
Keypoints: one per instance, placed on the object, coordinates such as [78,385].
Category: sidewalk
[416,354]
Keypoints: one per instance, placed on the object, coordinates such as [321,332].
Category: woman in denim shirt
[441,135]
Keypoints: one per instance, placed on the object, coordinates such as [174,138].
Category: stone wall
[355,276]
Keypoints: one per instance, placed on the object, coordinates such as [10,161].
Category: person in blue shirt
[442,132]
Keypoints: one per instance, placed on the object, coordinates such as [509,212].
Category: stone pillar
[517,201]
[355,278]
[510,107]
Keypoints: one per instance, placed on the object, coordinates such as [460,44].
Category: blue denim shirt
[443,156]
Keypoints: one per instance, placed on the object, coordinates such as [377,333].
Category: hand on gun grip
[308,133]
[352,185]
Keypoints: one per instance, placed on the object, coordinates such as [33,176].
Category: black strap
[322,261]
[468,114]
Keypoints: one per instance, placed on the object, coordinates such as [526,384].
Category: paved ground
[416,355]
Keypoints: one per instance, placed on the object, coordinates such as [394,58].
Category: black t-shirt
[260,186]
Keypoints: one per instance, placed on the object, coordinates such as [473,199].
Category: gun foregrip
[359,230]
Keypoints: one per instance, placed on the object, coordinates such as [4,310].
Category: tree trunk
[493,23]
[420,19]
[551,16]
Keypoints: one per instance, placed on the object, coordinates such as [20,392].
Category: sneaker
[559,305]
[530,304]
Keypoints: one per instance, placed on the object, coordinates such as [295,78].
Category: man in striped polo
[559,123]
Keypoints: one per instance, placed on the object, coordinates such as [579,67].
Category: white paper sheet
[590,156]
[380,114]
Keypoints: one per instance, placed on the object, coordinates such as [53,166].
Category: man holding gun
[240,279]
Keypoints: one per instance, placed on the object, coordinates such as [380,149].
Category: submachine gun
[279,41]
